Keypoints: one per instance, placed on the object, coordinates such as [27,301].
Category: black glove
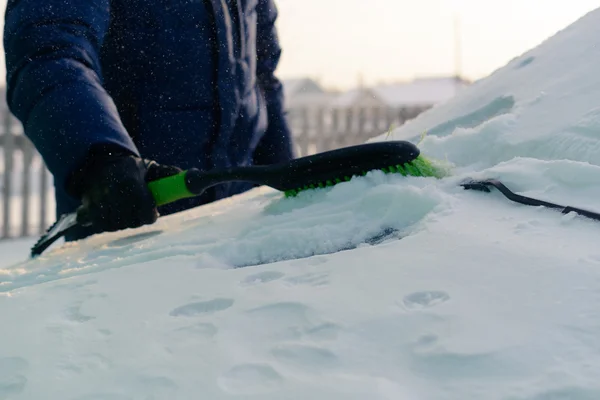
[112,186]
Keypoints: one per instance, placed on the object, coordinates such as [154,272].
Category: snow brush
[305,173]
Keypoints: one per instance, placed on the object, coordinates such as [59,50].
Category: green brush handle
[193,182]
[170,189]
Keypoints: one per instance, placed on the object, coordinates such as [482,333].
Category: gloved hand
[113,189]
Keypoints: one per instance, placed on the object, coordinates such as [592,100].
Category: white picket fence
[321,129]
[27,202]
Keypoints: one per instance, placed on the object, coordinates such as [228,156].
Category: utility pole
[457,47]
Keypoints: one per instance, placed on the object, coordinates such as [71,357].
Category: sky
[337,41]
[343,42]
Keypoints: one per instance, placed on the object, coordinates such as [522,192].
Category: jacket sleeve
[54,81]
[276,145]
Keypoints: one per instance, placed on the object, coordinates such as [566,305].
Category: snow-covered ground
[440,293]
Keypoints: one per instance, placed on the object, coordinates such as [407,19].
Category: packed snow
[384,287]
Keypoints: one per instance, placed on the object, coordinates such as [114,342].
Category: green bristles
[418,167]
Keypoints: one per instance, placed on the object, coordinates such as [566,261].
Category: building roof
[298,86]
[304,92]
[422,91]
[357,96]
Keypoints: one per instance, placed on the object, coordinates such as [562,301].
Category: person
[115,93]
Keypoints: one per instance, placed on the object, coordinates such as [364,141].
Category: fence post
[7,181]
[381,118]
[25,185]
[334,140]
[362,122]
[302,135]
[320,133]
[403,115]
[347,137]
[43,196]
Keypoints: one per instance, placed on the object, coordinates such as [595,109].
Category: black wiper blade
[483,186]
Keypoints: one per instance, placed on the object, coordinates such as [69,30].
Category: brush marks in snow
[310,261]
[202,329]
[202,307]
[331,220]
[133,239]
[305,356]
[249,379]
[72,262]
[12,376]
[425,344]
[498,106]
[425,299]
[587,126]
[442,365]
[160,387]
[325,331]
[283,311]
[481,146]
[531,226]
[548,175]
[82,363]
[286,321]
[310,278]
[500,140]
[262,277]
[297,336]
[78,284]
[74,314]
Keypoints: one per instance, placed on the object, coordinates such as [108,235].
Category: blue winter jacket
[184,82]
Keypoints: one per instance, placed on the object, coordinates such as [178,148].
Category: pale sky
[385,40]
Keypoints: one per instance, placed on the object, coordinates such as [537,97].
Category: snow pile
[441,293]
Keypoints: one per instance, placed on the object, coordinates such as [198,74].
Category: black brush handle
[310,170]
[298,173]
